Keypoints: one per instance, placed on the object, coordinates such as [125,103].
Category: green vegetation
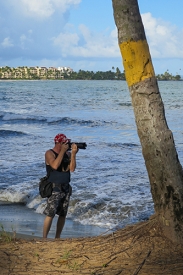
[99,75]
[5,236]
[168,76]
[37,73]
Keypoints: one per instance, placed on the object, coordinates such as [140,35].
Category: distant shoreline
[67,73]
[5,79]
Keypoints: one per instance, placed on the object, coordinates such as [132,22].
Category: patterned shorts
[58,203]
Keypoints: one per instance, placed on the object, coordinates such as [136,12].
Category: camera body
[80,145]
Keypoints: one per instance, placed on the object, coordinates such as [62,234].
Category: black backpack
[45,187]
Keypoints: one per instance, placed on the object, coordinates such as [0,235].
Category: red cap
[61,138]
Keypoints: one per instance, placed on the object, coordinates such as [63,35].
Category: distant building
[34,72]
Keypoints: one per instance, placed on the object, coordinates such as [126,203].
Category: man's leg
[47,225]
[60,225]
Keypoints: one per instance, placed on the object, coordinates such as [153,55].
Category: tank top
[59,176]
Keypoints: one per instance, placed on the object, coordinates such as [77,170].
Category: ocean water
[110,185]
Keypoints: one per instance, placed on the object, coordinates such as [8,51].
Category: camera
[80,145]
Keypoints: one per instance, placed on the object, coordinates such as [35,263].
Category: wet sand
[16,218]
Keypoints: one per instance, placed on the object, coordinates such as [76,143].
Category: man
[59,163]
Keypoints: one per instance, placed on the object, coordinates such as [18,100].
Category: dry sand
[138,249]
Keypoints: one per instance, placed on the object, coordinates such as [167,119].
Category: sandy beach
[136,250]
[16,218]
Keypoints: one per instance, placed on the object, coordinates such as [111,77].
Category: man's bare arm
[73,157]
[55,162]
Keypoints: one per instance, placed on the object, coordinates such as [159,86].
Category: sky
[81,34]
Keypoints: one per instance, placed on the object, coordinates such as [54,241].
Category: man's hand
[73,157]
[74,148]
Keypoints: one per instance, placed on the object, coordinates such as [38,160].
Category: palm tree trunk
[158,148]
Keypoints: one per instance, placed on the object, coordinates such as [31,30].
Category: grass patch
[6,236]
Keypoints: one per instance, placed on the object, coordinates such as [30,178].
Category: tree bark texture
[158,148]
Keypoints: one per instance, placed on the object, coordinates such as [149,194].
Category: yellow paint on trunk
[137,61]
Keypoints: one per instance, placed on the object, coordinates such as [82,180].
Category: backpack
[45,187]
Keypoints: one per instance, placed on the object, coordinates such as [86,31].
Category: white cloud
[42,8]
[66,42]
[7,43]
[165,40]
[24,40]
[87,44]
